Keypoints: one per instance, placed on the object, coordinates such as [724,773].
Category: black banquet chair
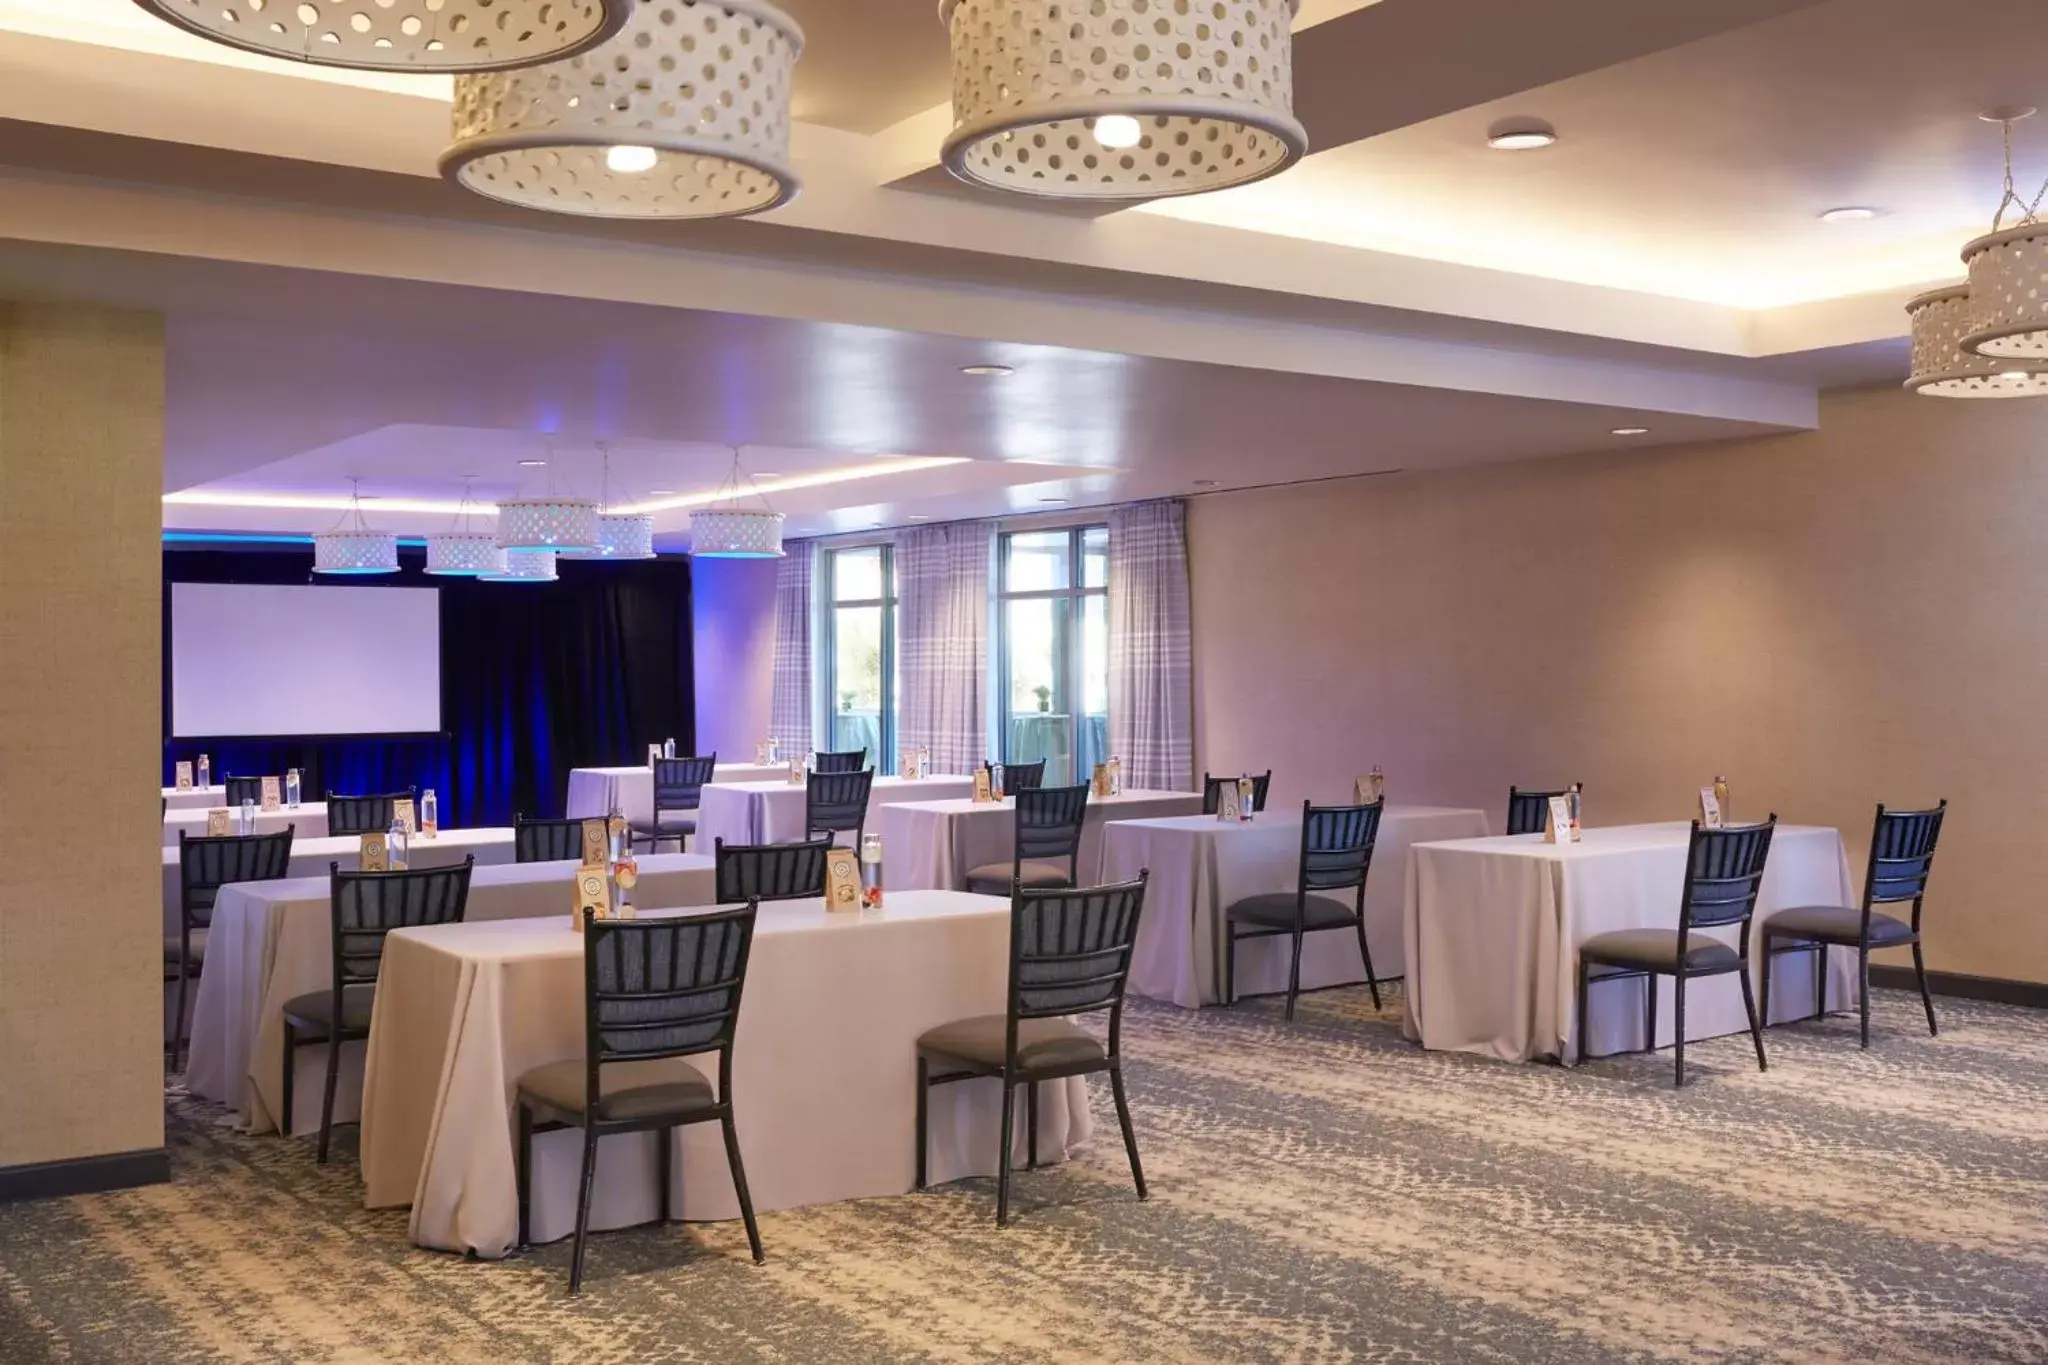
[1018,777]
[835,802]
[365,814]
[1337,844]
[236,790]
[365,907]
[769,872]
[1529,811]
[654,991]
[1070,953]
[678,788]
[538,840]
[1046,848]
[1724,868]
[206,863]
[1212,791]
[1901,857]
[841,761]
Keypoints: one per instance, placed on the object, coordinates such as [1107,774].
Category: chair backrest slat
[1337,844]
[206,863]
[367,906]
[840,761]
[679,782]
[837,801]
[1070,950]
[769,872]
[240,789]
[364,814]
[1019,777]
[1212,791]
[1529,810]
[667,987]
[1902,855]
[1049,821]
[536,840]
[1724,871]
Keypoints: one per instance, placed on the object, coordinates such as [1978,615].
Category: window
[860,652]
[1052,590]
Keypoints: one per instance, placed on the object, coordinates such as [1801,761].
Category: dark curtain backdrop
[535,680]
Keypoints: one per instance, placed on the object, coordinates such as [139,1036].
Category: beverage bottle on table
[248,817]
[995,780]
[291,788]
[1721,800]
[430,814]
[871,872]
[1116,776]
[1574,803]
[205,771]
[396,845]
[1244,797]
[668,748]
[1378,780]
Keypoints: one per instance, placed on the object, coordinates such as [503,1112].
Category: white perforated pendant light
[402,35]
[351,547]
[549,523]
[1121,99]
[1943,369]
[521,566]
[620,535]
[729,529]
[684,114]
[2008,276]
[462,551]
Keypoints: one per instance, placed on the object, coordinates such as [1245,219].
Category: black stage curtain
[536,679]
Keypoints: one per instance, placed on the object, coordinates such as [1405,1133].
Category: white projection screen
[250,660]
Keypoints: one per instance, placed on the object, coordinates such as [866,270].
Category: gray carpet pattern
[1322,1192]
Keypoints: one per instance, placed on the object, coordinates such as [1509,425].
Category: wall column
[732,610]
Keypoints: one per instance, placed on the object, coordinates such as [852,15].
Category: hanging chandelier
[549,522]
[521,566]
[1121,99]
[683,114]
[1942,368]
[351,547]
[620,535]
[462,550]
[729,530]
[402,35]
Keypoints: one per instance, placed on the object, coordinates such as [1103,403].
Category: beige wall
[1832,619]
[81,456]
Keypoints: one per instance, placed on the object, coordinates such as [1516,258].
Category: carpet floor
[1322,1191]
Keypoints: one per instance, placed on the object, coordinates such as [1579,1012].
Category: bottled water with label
[291,788]
[396,845]
[871,871]
[205,771]
[430,812]
[248,818]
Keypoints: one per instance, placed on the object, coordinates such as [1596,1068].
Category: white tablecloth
[934,843]
[271,941]
[824,1070]
[597,791]
[1493,928]
[309,821]
[194,798]
[1201,865]
[773,812]
[311,857]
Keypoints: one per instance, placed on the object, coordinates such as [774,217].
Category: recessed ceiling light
[1520,135]
[661,492]
[1207,483]
[1631,431]
[532,464]
[1849,214]
[994,371]
[1052,499]
[918,518]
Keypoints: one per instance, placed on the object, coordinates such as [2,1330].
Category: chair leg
[924,1096]
[523,1170]
[664,1165]
[178,1023]
[1756,1030]
[1926,997]
[1764,1009]
[1123,1118]
[327,1095]
[1863,989]
[1031,1126]
[1650,1008]
[583,1209]
[1294,974]
[1820,980]
[1007,1134]
[1583,1030]
[1678,1037]
[1366,953]
[1229,964]
[291,1057]
[739,1185]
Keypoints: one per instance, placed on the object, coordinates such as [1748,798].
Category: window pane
[857,679]
[1092,742]
[857,574]
[1038,720]
[1095,557]
[1038,561]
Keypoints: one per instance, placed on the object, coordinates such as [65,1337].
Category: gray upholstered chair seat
[1040,1042]
[198,948]
[994,878]
[667,823]
[1657,950]
[629,1091]
[1275,910]
[1838,924]
[313,1012]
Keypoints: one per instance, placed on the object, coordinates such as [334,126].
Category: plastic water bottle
[205,771]
[397,845]
[871,872]
[995,780]
[248,817]
[1116,776]
[291,788]
[1244,798]
[430,814]
[1721,799]
[668,748]
[1574,803]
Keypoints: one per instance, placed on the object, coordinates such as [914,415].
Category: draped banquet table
[308,821]
[1201,865]
[824,1070]
[1493,928]
[312,856]
[934,843]
[598,791]
[271,941]
[773,812]
[194,798]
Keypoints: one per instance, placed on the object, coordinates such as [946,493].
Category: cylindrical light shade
[692,94]
[620,535]
[1210,85]
[456,553]
[522,566]
[547,524]
[1943,369]
[402,35]
[2008,273]
[729,534]
[355,552]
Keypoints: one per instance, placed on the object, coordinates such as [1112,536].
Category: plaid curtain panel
[942,650]
[789,710]
[1151,669]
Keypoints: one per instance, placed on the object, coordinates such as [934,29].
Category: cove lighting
[873,469]
[305,502]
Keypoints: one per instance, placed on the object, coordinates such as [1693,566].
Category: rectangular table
[1493,926]
[598,791]
[311,857]
[934,843]
[194,798]
[773,812]
[1201,865]
[824,1070]
[308,821]
[271,941]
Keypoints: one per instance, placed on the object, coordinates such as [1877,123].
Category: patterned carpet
[1321,1192]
